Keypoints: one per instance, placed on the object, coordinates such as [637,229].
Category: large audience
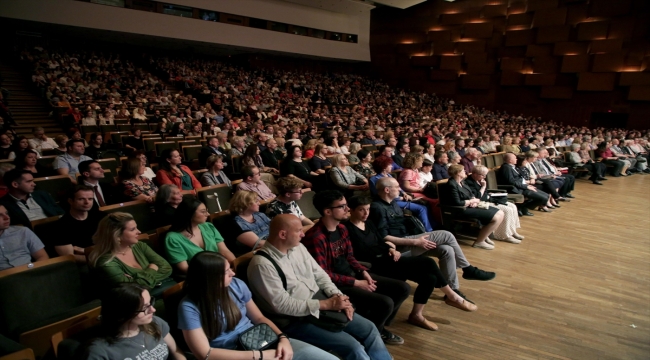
[380,162]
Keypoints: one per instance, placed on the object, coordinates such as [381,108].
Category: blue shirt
[17,244]
[189,316]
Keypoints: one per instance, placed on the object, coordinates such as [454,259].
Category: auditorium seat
[141,211]
[216,197]
[57,186]
[306,205]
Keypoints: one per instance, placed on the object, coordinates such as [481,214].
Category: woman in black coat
[458,194]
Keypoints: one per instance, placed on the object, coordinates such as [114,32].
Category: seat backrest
[216,203]
[306,204]
[149,143]
[110,164]
[140,210]
[491,180]
[488,160]
[191,152]
[46,161]
[43,290]
[69,343]
[498,160]
[164,145]
[57,186]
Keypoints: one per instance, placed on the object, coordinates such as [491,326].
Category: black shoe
[459,294]
[569,196]
[601,178]
[647,171]
[520,213]
[563,199]
[596,182]
[474,273]
[391,339]
[526,212]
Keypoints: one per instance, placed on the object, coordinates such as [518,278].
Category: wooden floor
[578,286]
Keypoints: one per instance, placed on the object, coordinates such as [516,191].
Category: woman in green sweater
[191,234]
[119,257]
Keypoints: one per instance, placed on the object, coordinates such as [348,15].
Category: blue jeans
[359,340]
[304,351]
[420,211]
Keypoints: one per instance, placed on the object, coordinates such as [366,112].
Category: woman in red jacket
[172,172]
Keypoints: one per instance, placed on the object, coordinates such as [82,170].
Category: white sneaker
[483,245]
[517,236]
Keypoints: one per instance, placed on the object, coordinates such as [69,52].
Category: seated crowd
[369,159]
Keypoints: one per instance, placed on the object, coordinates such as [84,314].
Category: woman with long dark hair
[218,307]
[191,233]
[252,158]
[129,328]
[173,172]
[293,165]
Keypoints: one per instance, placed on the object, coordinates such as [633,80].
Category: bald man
[508,175]
[308,290]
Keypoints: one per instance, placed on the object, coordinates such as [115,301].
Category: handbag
[334,321]
[258,337]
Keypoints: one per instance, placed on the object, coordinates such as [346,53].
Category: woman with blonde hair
[118,256]
[251,226]
[310,148]
[354,148]
[345,178]
[509,147]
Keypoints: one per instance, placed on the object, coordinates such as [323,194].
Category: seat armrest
[494,191]
[505,187]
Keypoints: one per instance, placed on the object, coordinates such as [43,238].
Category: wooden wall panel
[520,37]
[553,34]
[609,7]
[606,46]
[451,62]
[470,46]
[520,19]
[490,11]
[443,75]
[538,50]
[444,87]
[478,30]
[480,57]
[512,64]
[608,63]
[475,81]
[511,78]
[571,48]
[546,65]
[540,79]
[596,30]
[429,61]
[575,63]
[549,17]
[444,47]
[640,93]
[534,5]
[621,28]
[576,14]
[596,82]
[556,92]
[439,35]
[634,78]
[481,68]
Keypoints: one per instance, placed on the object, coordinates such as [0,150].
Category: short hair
[336,159]
[247,171]
[361,154]
[163,194]
[59,139]
[438,155]
[85,166]
[383,183]
[479,169]
[530,154]
[212,159]
[38,128]
[324,199]
[72,192]
[131,169]
[70,143]
[242,200]
[575,146]
[427,162]
[381,162]
[13,175]
[286,184]
[354,148]
[455,170]
[359,200]
[411,159]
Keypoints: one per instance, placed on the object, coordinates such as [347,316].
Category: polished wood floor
[578,286]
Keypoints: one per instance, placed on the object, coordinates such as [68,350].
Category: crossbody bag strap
[275,265]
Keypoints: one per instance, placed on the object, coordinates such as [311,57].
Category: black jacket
[507,175]
[43,199]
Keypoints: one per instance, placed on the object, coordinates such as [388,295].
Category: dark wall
[559,59]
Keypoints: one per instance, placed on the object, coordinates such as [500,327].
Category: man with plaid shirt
[377,298]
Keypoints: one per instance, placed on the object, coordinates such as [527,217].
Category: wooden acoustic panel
[439,35]
[609,8]
[553,34]
[622,28]
[444,87]
[577,14]
[634,78]
[481,68]
[606,46]
[575,63]
[596,30]
[556,92]
[608,63]
[596,82]
[546,64]
[424,61]
[512,64]
[451,62]
[470,46]
[469,81]
[474,57]
[444,47]
[491,11]
[537,5]
[639,92]
[478,30]
[570,48]
[550,17]
[538,50]
[540,79]
[520,37]
[512,78]
[443,75]
[525,19]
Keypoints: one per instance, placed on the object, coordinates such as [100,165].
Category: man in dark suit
[103,193]
[212,148]
[508,175]
[270,156]
[439,167]
[25,204]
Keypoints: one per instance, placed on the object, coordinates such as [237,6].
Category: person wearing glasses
[191,233]
[377,298]
[253,182]
[129,328]
[218,308]
[290,191]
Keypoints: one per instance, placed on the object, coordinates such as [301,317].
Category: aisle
[578,286]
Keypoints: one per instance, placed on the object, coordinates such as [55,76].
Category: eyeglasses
[148,306]
[344,206]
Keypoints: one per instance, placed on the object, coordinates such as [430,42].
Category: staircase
[28,108]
